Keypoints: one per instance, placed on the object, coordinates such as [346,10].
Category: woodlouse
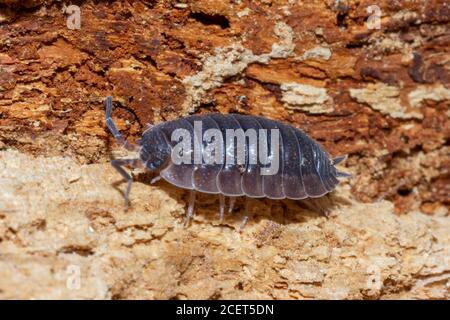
[304,170]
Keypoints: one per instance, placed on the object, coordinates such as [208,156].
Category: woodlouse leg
[245,220]
[190,211]
[155,179]
[315,205]
[113,129]
[324,205]
[118,165]
[222,207]
[232,202]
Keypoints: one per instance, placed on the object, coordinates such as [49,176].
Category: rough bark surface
[381,96]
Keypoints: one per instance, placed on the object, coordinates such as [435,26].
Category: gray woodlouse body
[305,169]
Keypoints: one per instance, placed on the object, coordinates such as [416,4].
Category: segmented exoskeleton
[304,171]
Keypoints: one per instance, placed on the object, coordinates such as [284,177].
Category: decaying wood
[380,95]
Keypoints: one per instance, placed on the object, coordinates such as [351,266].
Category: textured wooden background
[379,95]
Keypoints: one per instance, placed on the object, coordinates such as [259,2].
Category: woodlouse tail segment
[341,174]
[113,128]
[339,159]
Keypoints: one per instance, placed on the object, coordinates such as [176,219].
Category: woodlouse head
[154,149]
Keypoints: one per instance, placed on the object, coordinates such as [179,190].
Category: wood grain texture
[381,95]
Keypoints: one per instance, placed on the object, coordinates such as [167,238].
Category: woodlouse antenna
[113,129]
[118,164]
